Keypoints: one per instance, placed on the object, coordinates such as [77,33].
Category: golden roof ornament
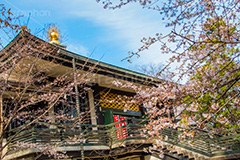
[53,34]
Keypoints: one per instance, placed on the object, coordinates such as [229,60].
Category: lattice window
[116,101]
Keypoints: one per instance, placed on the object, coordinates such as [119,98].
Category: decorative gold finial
[53,34]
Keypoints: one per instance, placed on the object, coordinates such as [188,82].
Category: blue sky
[87,27]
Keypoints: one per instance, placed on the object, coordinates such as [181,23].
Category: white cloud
[78,48]
[130,23]
[127,26]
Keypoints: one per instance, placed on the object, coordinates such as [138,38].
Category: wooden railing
[85,134]
[203,143]
[71,134]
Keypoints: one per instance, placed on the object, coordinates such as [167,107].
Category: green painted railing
[71,134]
[108,135]
[203,143]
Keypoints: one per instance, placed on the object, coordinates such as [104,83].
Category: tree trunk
[1,127]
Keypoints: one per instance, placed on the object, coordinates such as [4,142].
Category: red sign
[122,132]
[116,119]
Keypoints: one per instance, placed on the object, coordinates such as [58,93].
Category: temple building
[106,129]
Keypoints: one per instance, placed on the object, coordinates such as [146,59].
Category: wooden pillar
[52,118]
[5,150]
[92,108]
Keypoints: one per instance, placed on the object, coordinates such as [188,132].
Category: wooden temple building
[109,132]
